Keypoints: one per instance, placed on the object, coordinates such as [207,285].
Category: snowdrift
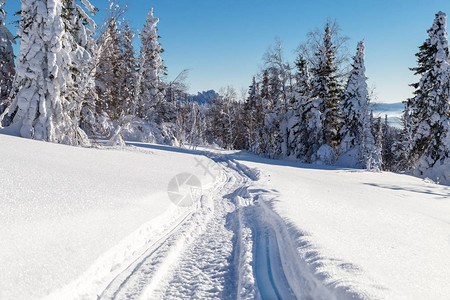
[68,212]
[376,235]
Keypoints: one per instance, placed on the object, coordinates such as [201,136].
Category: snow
[375,235]
[68,214]
[82,223]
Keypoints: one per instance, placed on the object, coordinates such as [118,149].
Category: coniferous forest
[74,82]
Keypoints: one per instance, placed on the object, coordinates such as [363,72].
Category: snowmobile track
[228,247]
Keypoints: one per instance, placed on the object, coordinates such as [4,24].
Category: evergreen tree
[326,89]
[310,135]
[430,108]
[355,132]
[274,113]
[254,115]
[402,147]
[109,69]
[150,89]
[127,70]
[373,144]
[302,88]
[7,68]
[355,103]
[296,124]
[80,28]
[389,138]
[47,103]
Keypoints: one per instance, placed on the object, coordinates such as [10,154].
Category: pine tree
[430,107]
[402,147]
[302,88]
[109,69]
[274,113]
[7,68]
[254,116]
[310,134]
[80,28]
[150,89]
[389,138]
[295,123]
[355,107]
[46,103]
[374,159]
[326,89]
[127,70]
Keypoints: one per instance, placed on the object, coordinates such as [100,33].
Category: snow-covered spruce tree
[150,89]
[274,113]
[356,144]
[46,89]
[264,93]
[296,125]
[127,70]
[371,144]
[254,117]
[302,87]
[116,70]
[402,147]
[430,106]
[281,100]
[108,73]
[326,89]
[7,67]
[390,136]
[81,29]
[354,104]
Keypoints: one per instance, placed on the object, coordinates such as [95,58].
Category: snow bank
[69,212]
[376,235]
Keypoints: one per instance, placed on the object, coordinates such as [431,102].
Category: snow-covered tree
[354,104]
[326,89]
[80,27]
[7,68]
[279,102]
[302,87]
[150,89]
[109,70]
[402,147]
[357,145]
[127,70]
[430,106]
[390,136]
[274,110]
[371,144]
[295,121]
[254,117]
[50,72]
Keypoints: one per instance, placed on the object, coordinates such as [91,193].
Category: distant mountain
[204,97]
[394,112]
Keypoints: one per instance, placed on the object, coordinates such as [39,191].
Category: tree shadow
[244,155]
[166,148]
[445,194]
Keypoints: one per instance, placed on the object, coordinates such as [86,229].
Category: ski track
[230,246]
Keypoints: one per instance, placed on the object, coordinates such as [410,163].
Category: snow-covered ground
[380,235]
[68,213]
[79,223]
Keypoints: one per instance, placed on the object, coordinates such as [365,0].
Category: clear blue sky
[223,41]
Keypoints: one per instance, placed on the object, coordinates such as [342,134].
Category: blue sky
[222,41]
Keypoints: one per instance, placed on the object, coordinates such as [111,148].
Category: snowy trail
[230,246]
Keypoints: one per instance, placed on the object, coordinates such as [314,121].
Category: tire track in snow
[233,246]
[206,270]
[151,268]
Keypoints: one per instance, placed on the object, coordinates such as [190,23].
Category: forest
[76,83]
